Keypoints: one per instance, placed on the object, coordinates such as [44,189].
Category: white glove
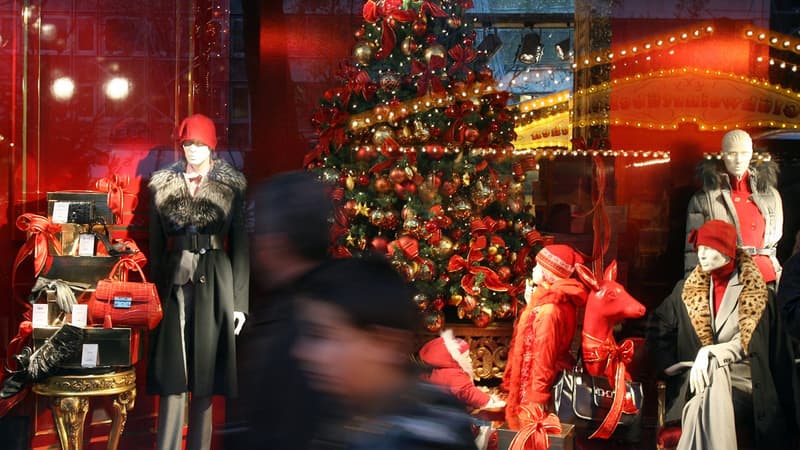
[238,321]
[699,374]
[494,402]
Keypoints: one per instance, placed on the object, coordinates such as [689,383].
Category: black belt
[196,243]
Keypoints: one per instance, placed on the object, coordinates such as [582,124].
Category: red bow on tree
[535,429]
[428,80]
[475,274]
[359,84]
[389,11]
[485,225]
[461,57]
[432,8]
[532,238]
[330,121]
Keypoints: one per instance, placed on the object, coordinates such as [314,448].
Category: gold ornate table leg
[70,414]
[122,404]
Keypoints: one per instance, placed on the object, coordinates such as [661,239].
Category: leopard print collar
[752,300]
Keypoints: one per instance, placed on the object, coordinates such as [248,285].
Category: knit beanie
[717,234]
[737,140]
[558,259]
[198,127]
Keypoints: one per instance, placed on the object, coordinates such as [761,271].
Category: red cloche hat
[198,127]
[717,234]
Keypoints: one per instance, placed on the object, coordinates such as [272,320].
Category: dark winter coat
[789,295]
[221,280]
[714,201]
[681,325]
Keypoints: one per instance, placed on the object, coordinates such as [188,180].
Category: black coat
[789,295]
[221,280]
[673,338]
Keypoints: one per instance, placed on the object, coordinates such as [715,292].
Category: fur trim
[752,300]
[213,200]
[463,359]
[713,174]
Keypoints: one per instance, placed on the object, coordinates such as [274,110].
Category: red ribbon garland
[115,186]
[537,426]
[491,280]
[607,357]
[427,78]
[42,232]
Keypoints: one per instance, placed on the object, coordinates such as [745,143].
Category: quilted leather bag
[132,304]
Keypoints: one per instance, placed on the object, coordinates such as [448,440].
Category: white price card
[39,318]
[60,212]
[86,245]
[89,355]
[79,314]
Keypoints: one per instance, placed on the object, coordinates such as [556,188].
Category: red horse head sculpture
[607,305]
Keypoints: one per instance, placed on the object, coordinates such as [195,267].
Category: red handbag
[132,304]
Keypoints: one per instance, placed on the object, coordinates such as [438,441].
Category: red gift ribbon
[605,355]
[537,426]
[42,232]
[428,80]
[491,280]
[115,186]
[461,57]
[387,11]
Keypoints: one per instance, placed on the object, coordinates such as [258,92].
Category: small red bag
[132,304]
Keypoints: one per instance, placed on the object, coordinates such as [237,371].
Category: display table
[70,402]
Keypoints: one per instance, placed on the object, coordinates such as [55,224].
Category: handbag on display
[585,400]
[132,304]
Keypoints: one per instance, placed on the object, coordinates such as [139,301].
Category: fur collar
[463,359]
[212,202]
[752,300]
[713,174]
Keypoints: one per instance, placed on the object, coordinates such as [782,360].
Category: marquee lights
[437,149]
[775,40]
[656,43]
[757,156]
[561,151]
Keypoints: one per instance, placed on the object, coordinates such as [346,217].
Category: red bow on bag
[41,233]
[537,426]
[608,355]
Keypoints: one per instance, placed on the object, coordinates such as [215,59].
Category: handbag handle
[127,264]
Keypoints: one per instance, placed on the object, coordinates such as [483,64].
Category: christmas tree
[417,144]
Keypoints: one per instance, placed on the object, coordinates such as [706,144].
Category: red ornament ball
[382,185]
[471,134]
[397,175]
[380,244]
[363,180]
[366,153]
[419,27]
[482,317]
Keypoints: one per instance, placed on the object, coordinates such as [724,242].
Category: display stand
[70,402]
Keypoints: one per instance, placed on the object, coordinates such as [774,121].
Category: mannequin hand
[495,402]
[698,375]
[529,287]
[238,321]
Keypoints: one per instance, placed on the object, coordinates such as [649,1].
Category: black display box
[116,347]
[98,200]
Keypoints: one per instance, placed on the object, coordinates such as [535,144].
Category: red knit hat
[198,127]
[558,259]
[717,234]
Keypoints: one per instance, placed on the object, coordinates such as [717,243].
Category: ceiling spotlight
[531,49]
[563,50]
[489,46]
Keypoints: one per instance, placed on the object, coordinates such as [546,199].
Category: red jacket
[452,368]
[540,346]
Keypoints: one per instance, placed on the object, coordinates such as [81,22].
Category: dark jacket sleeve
[239,250]
[157,244]
[662,333]
[789,296]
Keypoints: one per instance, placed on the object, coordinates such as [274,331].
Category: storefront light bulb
[118,88]
[63,88]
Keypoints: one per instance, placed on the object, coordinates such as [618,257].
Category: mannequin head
[198,137]
[737,150]
[555,262]
[715,242]
[710,259]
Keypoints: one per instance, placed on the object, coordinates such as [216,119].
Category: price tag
[79,314]
[39,318]
[60,212]
[89,355]
[86,245]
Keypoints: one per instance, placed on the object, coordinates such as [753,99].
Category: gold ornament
[351,241]
[408,46]
[465,179]
[434,50]
[362,52]
[405,136]
[350,183]
[382,133]
[420,132]
[445,247]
